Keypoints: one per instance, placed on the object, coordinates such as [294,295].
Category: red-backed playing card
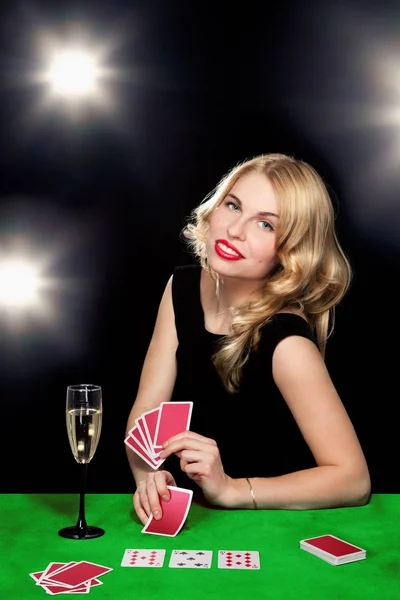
[77,574]
[333,549]
[137,435]
[132,442]
[174,417]
[52,569]
[143,435]
[53,589]
[174,513]
[155,426]
[148,423]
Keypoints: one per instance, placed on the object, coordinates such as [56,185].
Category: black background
[100,199]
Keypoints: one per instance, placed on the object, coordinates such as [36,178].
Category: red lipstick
[221,247]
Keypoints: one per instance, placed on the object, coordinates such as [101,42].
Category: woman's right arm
[158,375]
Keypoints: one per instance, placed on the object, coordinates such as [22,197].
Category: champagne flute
[84,418]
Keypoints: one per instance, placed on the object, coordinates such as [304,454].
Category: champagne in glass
[84,427]
[84,411]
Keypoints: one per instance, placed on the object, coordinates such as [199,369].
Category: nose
[236,229]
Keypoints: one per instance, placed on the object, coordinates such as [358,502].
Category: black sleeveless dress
[255,431]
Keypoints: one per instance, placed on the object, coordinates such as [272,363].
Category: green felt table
[29,541]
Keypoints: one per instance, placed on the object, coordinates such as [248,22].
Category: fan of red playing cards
[72,577]
[154,427]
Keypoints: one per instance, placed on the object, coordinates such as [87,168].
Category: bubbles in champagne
[84,427]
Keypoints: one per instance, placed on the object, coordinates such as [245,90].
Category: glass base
[77,534]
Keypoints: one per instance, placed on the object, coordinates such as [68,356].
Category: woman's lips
[225,250]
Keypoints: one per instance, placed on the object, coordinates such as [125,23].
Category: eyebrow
[260,214]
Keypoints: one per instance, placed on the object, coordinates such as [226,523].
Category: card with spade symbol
[191,559]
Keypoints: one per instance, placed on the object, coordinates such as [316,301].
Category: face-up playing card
[333,549]
[143,558]
[191,559]
[174,513]
[155,426]
[248,560]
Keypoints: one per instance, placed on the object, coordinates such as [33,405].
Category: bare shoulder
[302,377]
[296,353]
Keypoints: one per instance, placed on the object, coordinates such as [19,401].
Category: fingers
[162,479]
[197,463]
[146,499]
[141,501]
[153,497]
[170,481]
[188,441]
[189,435]
[141,513]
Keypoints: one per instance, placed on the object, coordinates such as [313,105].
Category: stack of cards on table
[155,426]
[333,550]
[248,560]
[72,577]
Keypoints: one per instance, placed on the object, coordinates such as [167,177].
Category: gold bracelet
[252,494]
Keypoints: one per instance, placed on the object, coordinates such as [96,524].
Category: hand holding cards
[155,427]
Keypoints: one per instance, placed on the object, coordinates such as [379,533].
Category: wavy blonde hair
[313,272]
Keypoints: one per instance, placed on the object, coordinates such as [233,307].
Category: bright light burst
[73,73]
[19,284]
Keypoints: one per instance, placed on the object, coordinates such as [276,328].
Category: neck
[230,294]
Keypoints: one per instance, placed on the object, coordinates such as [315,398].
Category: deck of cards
[72,577]
[154,427]
[333,550]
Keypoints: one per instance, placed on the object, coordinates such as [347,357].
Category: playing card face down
[143,558]
[85,570]
[174,417]
[155,426]
[147,422]
[333,549]
[77,573]
[174,513]
[191,559]
[248,560]
[132,441]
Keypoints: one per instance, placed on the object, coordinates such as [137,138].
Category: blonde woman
[242,334]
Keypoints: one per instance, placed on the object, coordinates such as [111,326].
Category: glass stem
[81,525]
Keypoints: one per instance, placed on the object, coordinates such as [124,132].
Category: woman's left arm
[341,477]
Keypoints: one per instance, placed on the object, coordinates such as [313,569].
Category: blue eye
[231,205]
[266,225]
